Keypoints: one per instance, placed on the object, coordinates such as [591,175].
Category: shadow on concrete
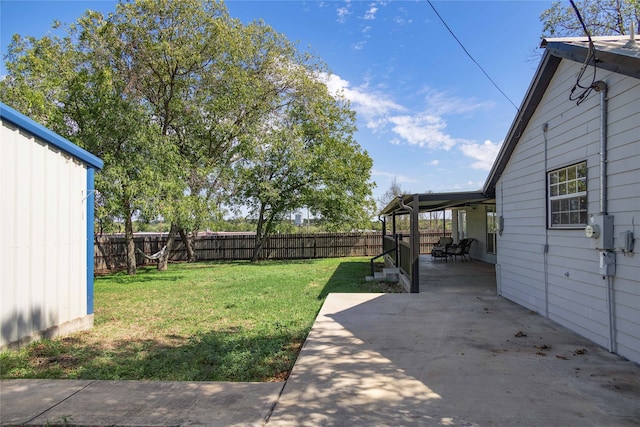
[455,354]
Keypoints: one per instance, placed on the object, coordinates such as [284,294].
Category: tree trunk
[189,242]
[130,245]
[260,242]
[163,261]
[262,233]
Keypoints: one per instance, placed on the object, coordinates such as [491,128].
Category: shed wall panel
[43,253]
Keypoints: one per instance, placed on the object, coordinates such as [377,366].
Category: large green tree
[602,18]
[173,94]
[305,156]
[179,52]
[78,87]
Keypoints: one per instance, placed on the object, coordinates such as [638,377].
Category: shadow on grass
[212,356]
[266,353]
[143,275]
[350,277]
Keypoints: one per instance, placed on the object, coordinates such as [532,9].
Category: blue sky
[426,114]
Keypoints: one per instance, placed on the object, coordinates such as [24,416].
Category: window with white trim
[567,192]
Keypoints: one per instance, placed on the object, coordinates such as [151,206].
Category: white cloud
[343,12]
[399,20]
[399,178]
[484,154]
[423,130]
[427,128]
[360,45]
[434,163]
[373,106]
[443,103]
[371,12]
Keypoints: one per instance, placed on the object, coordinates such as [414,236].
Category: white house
[567,191]
[560,209]
[46,238]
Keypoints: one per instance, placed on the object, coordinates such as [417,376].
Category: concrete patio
[455,354]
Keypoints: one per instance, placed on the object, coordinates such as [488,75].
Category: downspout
[601,87]
[545,250]
[383,220]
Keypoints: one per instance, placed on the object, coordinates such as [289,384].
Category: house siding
[43,244]
[565,283]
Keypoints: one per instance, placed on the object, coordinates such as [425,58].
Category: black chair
[457,249]
[467,248]
[441,248]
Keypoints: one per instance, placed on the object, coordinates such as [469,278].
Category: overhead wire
[591,57]
[471,56]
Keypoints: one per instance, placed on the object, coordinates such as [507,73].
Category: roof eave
[607,59]
[546,69]
[20,120]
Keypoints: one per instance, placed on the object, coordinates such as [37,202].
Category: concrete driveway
[454,355]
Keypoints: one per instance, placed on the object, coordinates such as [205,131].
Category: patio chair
[467,248]
[440,249]
[461,249]
[457,249]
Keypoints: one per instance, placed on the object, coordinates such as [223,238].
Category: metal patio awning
[428,202]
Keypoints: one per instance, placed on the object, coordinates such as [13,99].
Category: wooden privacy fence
[110,252]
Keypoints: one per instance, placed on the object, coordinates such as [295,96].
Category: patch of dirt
[390,287]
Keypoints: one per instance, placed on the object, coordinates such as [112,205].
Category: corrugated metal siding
[43,252]
[576,295]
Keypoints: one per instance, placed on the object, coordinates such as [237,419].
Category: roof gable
[619,54]
[20,120]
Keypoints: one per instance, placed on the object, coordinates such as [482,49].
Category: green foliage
[189,109]
[305,156]
[198,322]
[602,18]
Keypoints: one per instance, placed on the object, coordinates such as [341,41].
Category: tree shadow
[350,276]
[21,327]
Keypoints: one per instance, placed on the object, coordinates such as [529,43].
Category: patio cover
[428,202]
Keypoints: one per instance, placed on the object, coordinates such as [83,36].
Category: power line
[471,57]
[591,57]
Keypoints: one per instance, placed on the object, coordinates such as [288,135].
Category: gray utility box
[600,230]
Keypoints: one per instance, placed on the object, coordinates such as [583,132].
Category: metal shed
[46,238]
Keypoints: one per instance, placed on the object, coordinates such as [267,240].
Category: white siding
[565,283]
[43,239]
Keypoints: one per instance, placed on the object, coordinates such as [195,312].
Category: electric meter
[592,231]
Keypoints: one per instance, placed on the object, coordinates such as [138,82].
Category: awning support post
[415,245]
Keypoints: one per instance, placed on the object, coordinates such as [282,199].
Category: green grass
[217,321]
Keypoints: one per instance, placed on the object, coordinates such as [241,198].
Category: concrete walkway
[454,355]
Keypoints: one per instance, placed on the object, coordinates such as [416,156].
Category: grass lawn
[208,321]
